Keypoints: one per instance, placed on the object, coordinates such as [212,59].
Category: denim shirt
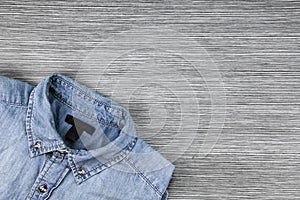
[61,140]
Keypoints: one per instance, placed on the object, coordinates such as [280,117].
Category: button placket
[54,170]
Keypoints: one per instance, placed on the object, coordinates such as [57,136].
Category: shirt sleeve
[153,167]
[161,179]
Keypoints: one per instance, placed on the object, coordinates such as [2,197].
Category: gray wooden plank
[252,45]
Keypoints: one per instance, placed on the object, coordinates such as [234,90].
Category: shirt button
[43,188]
[81,171]
[37,145]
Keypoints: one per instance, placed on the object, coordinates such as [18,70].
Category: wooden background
[184,57]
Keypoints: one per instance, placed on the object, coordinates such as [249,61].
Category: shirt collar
[43,136]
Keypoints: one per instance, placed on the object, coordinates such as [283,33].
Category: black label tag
[77,128]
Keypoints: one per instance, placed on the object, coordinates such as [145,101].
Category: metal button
[81,171]
[37,145]
[43,188]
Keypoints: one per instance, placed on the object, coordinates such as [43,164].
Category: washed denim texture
[37,162]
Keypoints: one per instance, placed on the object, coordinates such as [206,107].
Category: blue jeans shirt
[62,140]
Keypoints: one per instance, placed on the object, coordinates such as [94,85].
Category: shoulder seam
[143,176]
[12,103]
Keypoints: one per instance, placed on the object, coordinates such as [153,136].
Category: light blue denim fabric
[37,162]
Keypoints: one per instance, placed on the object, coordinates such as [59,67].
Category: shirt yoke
[14,92]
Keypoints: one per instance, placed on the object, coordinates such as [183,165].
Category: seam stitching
[44,174]
[143,176]
[122,153]
[73,108]
[30,113]
[90,99]
[85,94]
[12,103]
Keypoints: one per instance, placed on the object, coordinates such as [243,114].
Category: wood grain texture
[254,45]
